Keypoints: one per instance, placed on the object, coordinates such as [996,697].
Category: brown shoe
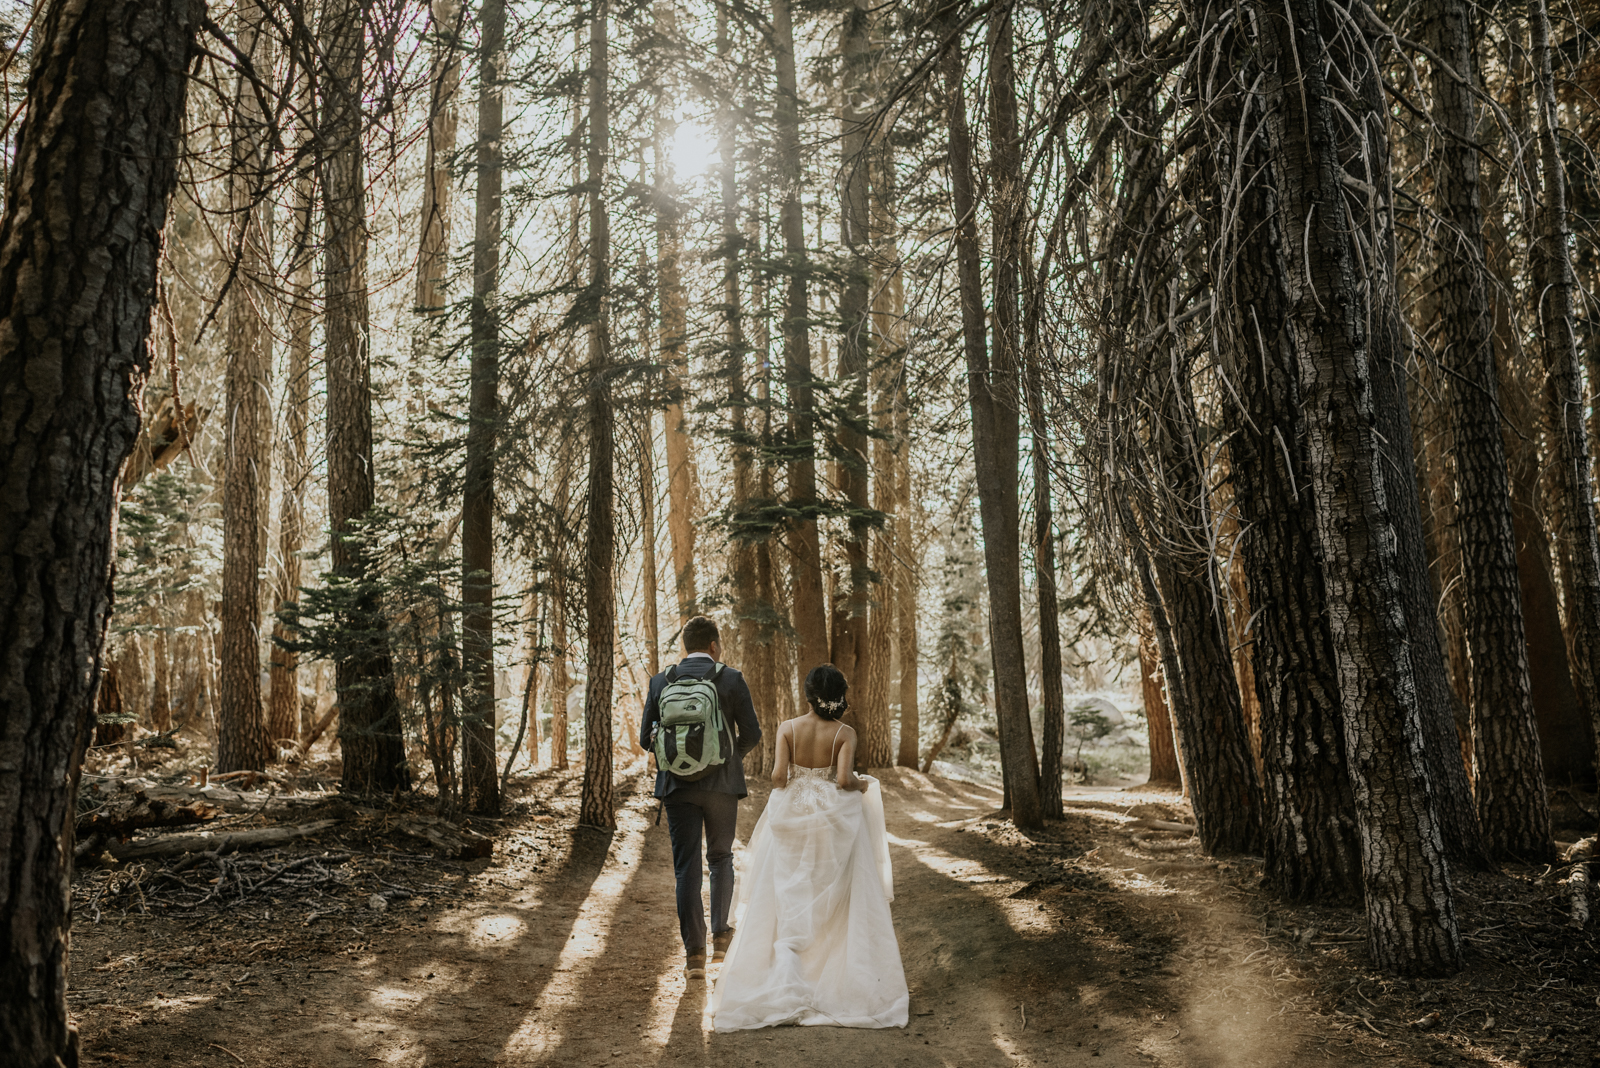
[719,943]
[696,967]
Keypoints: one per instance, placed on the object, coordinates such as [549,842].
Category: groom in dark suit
[709,805]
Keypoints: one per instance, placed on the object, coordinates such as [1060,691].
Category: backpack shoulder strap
[716,672]
[672,674]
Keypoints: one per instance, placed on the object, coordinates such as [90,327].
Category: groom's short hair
[698,634]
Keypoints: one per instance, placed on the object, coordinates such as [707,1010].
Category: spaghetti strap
[833,747]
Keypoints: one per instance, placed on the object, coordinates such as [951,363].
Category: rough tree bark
[809,605]
[905,562]
[771,682]
[597,806]
[283,713]
[242,742]
[993,395]
[86,199]
[369,714]
[1053,710]
[1163,753]
[1508,775]
[1442,750]
[1312,846]
[1207,715]
[1336,294]
[886,372]
[1554,283]
[479,782]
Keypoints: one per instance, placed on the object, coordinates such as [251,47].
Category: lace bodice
[811,788]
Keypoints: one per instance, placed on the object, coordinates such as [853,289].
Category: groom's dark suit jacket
[737,711]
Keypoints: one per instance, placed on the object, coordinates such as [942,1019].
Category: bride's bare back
[810,741]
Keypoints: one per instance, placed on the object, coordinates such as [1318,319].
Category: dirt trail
[563,950]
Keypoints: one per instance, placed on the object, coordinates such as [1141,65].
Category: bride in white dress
[815,943]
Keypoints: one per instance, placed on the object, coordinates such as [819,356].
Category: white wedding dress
[815,943]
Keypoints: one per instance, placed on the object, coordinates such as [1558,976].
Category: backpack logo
[689,741]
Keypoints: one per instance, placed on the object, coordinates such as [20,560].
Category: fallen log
[173,845]
[119,819]
[1162,845]
[1157,825]
[455,843]
[284,806]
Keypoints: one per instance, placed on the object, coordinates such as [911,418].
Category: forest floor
[1092,943]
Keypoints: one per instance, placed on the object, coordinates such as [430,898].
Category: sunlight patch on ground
[1013,1052]
[481,931]
[544,1029]
[922,815]
[961,869]
[1023,917]
[489,929]
[392,997]
[664,1005]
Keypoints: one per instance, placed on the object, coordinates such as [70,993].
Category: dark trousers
[689,814]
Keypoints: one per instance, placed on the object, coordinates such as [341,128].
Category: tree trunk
[110,725]
[742,553]
[886,372]
[905,613]
[681,500]
[86,199]
[1207,718]
[479,782]
[809,605]
[560,674]
[1332,304]
[283,714]
[444,80]
[597,807]
[530,699]
[876,749]
[905,563]
[1447,772]
[1236,594]
[647,520]
[1312,844]
[1053,731]
[773,685]
[1553,284]
[851,609]
[1508,776]
[1163,753]
[369,716]
[992,392]
[242,742]
[1566,742]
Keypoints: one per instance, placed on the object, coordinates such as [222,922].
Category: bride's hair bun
[825,689]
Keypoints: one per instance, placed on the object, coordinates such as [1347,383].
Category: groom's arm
[746,726]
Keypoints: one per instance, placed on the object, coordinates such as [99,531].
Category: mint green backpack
[690,739]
